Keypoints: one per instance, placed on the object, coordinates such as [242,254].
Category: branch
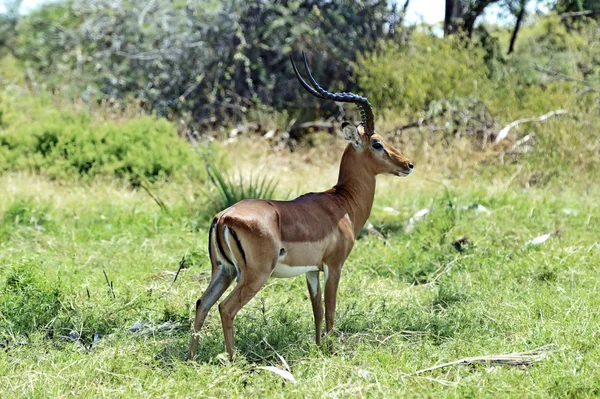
[418,123]
[402,14]
[504,132]
[519,359]
[145,11]
[577,14]
[563,76]
[310,126]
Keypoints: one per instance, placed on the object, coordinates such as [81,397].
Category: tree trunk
[461,15]
[513,38]
[453,17]
[475,9]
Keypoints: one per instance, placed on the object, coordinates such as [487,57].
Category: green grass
[403,306]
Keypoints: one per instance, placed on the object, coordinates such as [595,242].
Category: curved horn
[316,90]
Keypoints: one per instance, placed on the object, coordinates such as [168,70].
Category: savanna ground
[404,305]
[105,203]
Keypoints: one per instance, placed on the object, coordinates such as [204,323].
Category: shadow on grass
[259,338]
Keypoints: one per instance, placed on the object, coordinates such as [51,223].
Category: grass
[403,306]
[229,190]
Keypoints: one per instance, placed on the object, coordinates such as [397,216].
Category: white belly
[285,271]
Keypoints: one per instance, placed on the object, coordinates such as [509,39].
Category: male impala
[257,239]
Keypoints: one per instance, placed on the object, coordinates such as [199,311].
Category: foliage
[412,77]
[8,23]
[36,136]
[576,5]
[204,59]
[554,48]
[550,69]
[228,190]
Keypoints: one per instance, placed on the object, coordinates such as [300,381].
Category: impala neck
[355,188]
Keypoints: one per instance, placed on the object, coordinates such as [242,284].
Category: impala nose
[411,166]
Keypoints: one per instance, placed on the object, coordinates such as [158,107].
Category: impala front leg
[314,289]
[332,279]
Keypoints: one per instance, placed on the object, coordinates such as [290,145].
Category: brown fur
[250,238]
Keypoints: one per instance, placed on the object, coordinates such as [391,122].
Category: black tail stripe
[238,243]
[220,245]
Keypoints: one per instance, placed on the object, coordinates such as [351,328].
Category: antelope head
[372,151]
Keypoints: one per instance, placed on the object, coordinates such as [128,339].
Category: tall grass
[226,190]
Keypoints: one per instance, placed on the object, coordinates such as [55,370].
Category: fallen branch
[371,230]
[504,132]
[246,128]
[520,359]
[418,123]
[577,14]
[303,128]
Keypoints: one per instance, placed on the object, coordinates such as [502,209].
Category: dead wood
[300,130]
[577,14]
[519,359]
[504,132]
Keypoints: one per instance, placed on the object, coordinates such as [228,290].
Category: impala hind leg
[221,280]
[331,286]
[240,296]
[314,289]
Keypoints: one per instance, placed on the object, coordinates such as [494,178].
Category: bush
[550,70]
[203,59]
[66,143]
[429,69]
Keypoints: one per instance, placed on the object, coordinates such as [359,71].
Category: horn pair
[316,90]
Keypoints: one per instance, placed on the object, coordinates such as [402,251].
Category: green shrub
[429,69]
[551,69]
[60,143]
[224,191]
[217,59]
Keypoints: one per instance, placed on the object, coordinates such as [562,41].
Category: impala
[257,239]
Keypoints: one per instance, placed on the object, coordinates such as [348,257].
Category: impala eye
[377,146]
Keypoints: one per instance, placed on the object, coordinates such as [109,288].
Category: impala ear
[352,136]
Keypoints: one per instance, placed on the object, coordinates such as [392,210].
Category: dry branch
[519,359]
[577,14]
[418,123]
[246,128]
[304,128]
[504,132]
[562,76]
